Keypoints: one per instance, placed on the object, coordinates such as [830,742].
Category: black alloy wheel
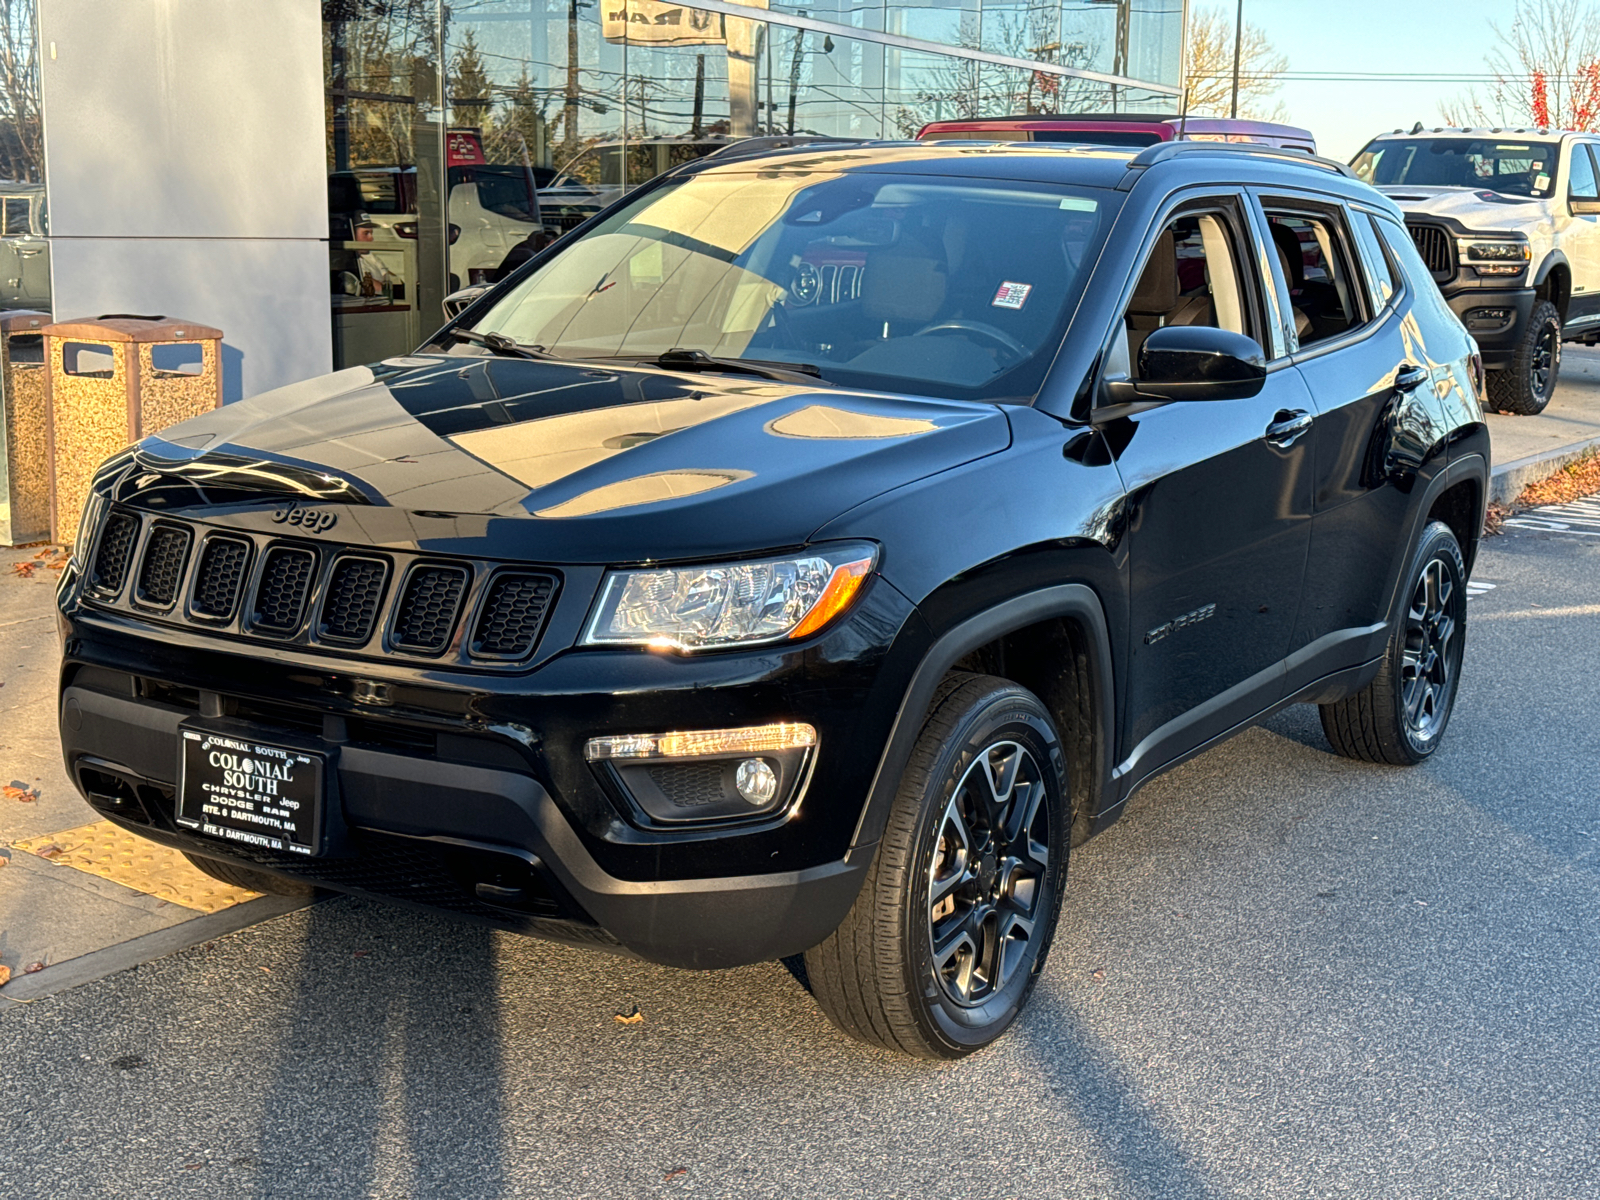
[1401,715]
[1431,660]
[1526,383]
[954,921]
[990,864]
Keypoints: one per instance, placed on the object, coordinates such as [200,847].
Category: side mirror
[1584,208]
[456,302]
[1193,362]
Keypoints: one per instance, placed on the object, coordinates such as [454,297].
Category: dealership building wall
[313,178]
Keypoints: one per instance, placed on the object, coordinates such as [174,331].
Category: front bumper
[469,793]
[1497,336]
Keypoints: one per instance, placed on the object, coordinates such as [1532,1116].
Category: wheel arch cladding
[1053,641]
[1554,282]
[1460,506]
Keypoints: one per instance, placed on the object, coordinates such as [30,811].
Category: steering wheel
[998,336]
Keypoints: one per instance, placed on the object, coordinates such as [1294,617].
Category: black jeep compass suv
[801,557]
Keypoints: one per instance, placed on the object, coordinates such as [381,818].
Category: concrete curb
[1508,479]
[97,964]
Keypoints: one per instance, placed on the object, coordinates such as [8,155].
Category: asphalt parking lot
[1282,974]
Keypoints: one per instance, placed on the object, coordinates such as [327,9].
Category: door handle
[1409,377]
[1288,425]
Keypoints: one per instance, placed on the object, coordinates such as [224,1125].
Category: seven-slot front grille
[285,584]
[513,614]
[355,591]
[429,607]
[116,549]
[220,577]
[355,601]
[1433,243]
[165,556]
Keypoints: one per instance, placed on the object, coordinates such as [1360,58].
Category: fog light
[707,776]
[757,782]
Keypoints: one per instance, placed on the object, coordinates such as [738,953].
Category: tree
[1208,68]
[471,93]
[21,131]
[1544,70]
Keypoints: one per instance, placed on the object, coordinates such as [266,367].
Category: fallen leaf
[5,976]
[24,569]
[632,1017]
[192,1166]
[50,851]
[268,970]
[1098,975]
[33,968]
[17,790]
[675,1172]
[360,953]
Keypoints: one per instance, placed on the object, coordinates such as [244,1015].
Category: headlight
[1496,258]
[729,604]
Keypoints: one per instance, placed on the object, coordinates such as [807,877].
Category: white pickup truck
[1508,222]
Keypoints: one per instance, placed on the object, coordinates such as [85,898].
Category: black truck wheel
[249,878]
[1526,383]
[953,924]
[1401,715]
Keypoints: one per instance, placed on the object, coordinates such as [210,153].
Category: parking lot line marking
[112,853]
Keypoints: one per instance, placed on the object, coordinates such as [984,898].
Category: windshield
[923,284]
[1511,167]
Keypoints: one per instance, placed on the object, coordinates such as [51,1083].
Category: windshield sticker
[1541,181]
[1011,295]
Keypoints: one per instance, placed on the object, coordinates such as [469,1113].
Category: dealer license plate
[242,790]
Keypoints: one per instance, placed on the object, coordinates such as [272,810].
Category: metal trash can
[113,380]
[24,430]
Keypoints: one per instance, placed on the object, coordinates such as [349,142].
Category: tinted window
[1315,259]
[1097,137]
[1581,185]
[16,218]
[1381,281]
[1512,167]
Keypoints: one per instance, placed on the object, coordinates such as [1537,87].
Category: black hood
[561,462]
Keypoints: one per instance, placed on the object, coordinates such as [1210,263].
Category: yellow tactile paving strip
[112,853]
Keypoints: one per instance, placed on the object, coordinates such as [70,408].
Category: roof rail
[755,146]
[1162,151]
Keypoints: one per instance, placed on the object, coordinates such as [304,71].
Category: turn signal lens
[835,598]
[750,739]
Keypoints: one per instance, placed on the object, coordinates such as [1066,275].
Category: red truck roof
[1119,129]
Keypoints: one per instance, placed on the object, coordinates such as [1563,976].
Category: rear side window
[1314,254]
[1381,283]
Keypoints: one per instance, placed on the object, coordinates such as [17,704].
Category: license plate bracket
[253,788]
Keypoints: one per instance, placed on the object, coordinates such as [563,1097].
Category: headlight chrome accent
[721,605]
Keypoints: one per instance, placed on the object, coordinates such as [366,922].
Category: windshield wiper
[499,343]
[681,359]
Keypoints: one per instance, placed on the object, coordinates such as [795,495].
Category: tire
[249,878]
[1527,382]
[1400,717]
[990,863]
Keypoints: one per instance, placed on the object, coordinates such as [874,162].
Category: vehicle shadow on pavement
[364,1095]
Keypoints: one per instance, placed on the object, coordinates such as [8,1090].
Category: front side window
[930,285]
[1191,278]
[1581,175]
[1510,167]
[1315,261]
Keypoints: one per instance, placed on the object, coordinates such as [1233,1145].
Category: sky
[1397,37]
